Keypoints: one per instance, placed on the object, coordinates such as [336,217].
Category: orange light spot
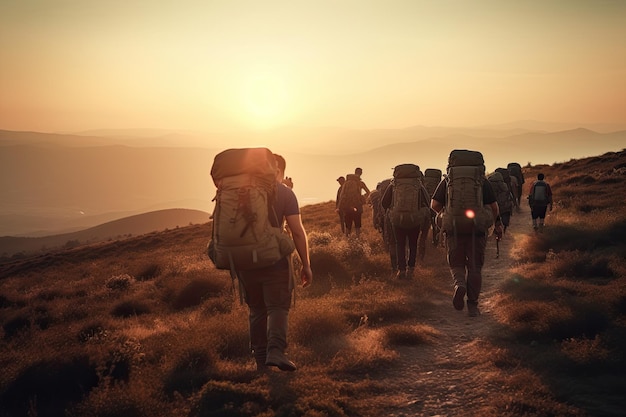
[470,214]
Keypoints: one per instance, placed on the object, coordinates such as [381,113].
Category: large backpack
[374,199]
[464,212]
[350,197]
[243,236]
[432,178]
[516,169]
[409,203]
[506,175]
[539,194]
[502,192]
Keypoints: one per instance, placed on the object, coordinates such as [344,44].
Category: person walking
[341,180]
[466,245]
[351,200]
[407,200]
[268,291]
[539,199]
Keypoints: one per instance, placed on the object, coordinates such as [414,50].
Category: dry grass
[146,326]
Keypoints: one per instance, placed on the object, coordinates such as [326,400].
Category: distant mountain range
[59,183]
[128,226]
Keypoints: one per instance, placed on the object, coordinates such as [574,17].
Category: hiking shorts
[538,212]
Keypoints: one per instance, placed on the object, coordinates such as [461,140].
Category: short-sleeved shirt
[489,197]
[286,204]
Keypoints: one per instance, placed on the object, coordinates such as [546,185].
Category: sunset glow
[241,65]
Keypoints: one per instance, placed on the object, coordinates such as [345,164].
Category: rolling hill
[116,229]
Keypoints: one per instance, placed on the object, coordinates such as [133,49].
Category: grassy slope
[145,326]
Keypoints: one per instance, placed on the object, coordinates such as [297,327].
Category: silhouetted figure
[539,199]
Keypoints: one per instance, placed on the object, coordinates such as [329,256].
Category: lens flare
[470,214]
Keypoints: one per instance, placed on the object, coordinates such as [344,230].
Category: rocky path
[453,376]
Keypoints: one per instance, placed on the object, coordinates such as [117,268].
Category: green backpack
[409,207]
[464,212]
[350,198]
[243,237]
[432,178]
[502,191]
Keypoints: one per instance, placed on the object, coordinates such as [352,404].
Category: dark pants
[506,218]
[342,222]
[466,257]
[390,242]
[352,217]
[402,236]
[268,295]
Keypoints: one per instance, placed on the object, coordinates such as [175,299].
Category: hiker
[359,171]
[268,291]
[515,191]
[432,178]
[407,201]
[351,200]
[539,199]
[341,180]
[466,223]
[374,202]
[515,169]
[389,238]
[504,196]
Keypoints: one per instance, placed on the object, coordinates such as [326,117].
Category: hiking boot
[458,300]
[472,309]
[277,358]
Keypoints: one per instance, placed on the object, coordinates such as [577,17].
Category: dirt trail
[451,376]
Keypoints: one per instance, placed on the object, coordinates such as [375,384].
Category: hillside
[146,326]
[125,227]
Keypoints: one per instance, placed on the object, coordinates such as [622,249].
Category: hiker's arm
[298,233]
[367,190]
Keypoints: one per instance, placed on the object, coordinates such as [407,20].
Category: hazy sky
[70,65]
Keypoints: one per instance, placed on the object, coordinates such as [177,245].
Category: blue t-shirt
[285,204]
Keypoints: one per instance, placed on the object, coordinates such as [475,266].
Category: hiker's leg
[421,242]
[455,246]
[534,213]
[476,260]
[277,294]
[412,235]
[357,222]
[348,218]
[342,222]
[401,236]
[542,216]
[257,317]
[506,219]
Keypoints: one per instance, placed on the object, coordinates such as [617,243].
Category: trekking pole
[497,246]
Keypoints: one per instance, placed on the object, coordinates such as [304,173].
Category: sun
[265,100]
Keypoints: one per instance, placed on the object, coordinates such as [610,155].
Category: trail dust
[453,375]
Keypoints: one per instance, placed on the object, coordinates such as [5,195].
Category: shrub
[190,373]
[119,282]
[148,271]
[320,238]
[49,387]
[406,335]
[130,308]
[195,292]
[16,325]
[93,332]
[230,399]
